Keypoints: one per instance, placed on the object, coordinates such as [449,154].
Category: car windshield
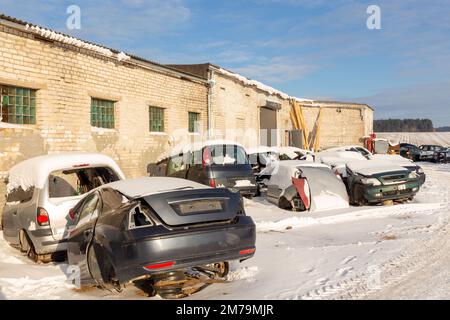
[226,154]
[75,182]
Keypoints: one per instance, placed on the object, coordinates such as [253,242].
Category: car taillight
[247,251]
[160,265]
[212,183]
[42,217]
[206,158]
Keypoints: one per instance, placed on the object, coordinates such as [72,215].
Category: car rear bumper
[45,243]
[375,194]
[184,250]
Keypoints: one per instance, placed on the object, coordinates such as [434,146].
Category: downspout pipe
[211,84]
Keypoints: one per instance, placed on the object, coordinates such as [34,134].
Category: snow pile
[261,86]
[246,273]
[52,35]
[285,224]
[122,56]
[327,200]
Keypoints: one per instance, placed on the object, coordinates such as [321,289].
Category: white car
[41,193]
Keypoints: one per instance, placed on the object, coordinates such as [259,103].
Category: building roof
[60,37]
[203,69]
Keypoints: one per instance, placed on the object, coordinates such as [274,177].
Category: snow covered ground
[399,251]
[418,138]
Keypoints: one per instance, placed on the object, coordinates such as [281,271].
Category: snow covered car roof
[260,149]
[34,172]
[396,159]
[144,186]
[345,156]
[191,147]
[371,167]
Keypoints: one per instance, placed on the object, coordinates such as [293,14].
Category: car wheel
[357,195]
[170,285]
[26,246]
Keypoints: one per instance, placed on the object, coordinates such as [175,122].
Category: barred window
[194,121]
[102,113]
[156,116]
[17,105]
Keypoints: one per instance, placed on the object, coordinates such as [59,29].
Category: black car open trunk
[195,206]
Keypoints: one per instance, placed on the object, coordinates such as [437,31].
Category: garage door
[268,126]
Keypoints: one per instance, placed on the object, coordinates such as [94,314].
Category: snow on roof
[140,187]
[300,163]
[261,86]
[371,167]
[260,149]
[190,147]
[344,148]
[345,155]
[34,172]
[52,35]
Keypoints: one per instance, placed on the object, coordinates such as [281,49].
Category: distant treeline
[403,125]
[443,129]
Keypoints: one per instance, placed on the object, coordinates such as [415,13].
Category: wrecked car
[411,152]
[40,193]
[158,230]
[376,181]
[216,163]
[337,158]
[306,186]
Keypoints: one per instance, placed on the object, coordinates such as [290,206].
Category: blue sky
[312,49]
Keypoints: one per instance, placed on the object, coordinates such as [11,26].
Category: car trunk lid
[193,207]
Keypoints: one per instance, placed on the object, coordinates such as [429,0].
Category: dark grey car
[215,164]
[155,229]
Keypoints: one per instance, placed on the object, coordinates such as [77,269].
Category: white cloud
[275,70]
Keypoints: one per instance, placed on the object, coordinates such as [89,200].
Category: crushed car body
[157,227]
[306,186]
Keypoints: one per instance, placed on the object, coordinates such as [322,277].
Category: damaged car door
[82,234]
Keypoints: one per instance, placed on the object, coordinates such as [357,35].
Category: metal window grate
[156,116]
[17,105]
[102,113]
[194,121]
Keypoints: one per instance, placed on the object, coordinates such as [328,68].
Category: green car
[375,181]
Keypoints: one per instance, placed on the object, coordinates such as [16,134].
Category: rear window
[226,154]
[75,182]
[20,195]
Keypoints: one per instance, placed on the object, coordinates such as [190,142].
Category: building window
[17,105]
[102,113]
[194,121]
[156,116]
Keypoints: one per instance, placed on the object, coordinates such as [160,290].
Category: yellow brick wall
[236,106]
[66,79]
